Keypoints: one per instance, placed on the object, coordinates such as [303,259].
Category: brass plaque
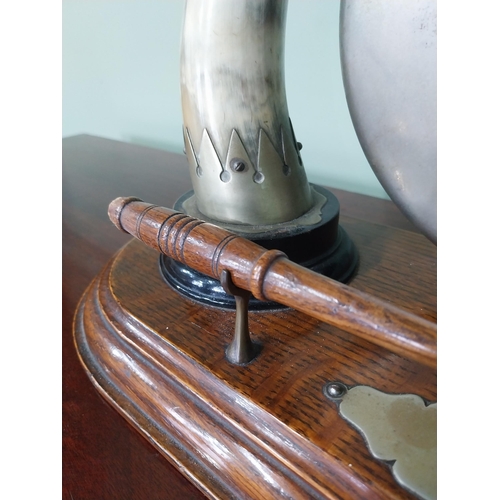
[398,428]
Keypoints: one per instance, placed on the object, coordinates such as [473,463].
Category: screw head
[238,165]
[334,390]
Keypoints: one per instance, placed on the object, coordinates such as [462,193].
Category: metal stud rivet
[334,390]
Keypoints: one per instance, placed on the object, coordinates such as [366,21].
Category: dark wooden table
[104,458]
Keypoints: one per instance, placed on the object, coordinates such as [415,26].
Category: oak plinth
[293,433]
[265,429]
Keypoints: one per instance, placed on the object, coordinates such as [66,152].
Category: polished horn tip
[115,209]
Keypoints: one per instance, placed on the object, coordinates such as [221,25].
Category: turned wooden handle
[269,275]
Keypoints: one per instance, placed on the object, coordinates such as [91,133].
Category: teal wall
[121,81]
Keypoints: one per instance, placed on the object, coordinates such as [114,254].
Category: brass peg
[241,350]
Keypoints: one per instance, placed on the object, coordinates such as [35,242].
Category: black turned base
[323,247]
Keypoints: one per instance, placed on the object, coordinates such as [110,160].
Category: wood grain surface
[102,456]
[270,276]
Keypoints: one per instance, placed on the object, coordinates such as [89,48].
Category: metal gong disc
[388,56]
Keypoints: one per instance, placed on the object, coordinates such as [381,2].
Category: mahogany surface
[102,456]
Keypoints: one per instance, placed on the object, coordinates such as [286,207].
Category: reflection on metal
[241,350]
[334,390]
[234,106]
[398,428]
[311,217]
[191,155]
[388,54]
